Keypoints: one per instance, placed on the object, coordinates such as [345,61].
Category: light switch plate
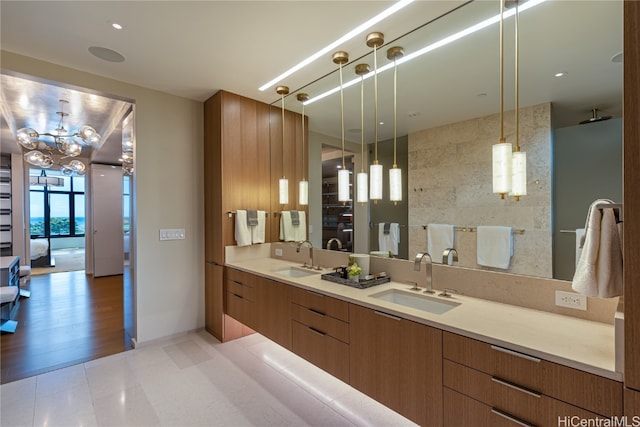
[571,300]
[172,234]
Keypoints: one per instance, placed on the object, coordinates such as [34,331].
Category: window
[57,211]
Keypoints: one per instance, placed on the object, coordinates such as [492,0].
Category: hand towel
[579,243]
[295,217]
[389,242]
[439,238]
[599,270]
[242,231]
[287,233]
[494,246]
[258,231]
[387,226]
[252,218]
[301,228]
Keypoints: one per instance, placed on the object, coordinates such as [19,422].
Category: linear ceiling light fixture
[351,34]
[436,45]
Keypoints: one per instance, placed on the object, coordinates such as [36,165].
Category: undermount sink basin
[416,300]
[297,272]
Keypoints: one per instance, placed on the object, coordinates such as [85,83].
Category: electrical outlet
[278,251]
[571,300]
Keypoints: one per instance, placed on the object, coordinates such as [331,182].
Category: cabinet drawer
[321,303]
[321,322]
[591,392]
[240,289]
[325,352]
[241,309]
[501,395]
[239,276]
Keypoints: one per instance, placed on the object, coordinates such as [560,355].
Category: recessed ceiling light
[106,54]
[561,74]
[351,34]
[116,26]
[381,123]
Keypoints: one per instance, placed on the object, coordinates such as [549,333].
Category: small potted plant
[354,272]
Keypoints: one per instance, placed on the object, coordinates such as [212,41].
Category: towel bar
[232,213]
[474,229]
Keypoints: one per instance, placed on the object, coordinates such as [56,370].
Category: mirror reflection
[448,103]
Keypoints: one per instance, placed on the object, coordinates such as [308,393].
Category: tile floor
[192,380]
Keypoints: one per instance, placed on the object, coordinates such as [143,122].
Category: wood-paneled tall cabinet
[632,205]
[242,164]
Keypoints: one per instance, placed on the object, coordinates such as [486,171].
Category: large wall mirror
[448,102]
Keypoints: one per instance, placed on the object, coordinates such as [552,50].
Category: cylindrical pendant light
[375,40]
[519,158]
[303,185]
[283,187]
[501,153]
[342,58]
[395,173]
[362,181]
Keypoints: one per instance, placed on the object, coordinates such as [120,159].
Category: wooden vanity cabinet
[398,363]
[320,331]
[511,387]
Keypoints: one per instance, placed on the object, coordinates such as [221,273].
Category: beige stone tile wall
[450,182]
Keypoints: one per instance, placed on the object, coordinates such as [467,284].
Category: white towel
[579,243]
[257,232]
[599,271]
[290,232]
[242,231]
[439,238]
[495,246]
[389,242]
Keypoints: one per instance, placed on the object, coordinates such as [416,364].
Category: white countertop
[580,344]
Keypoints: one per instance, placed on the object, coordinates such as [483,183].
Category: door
[106,199]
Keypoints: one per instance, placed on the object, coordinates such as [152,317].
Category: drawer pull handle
[238,296]
[511,418]
[390,316]
[319,313]
[316,331]
[515,353]
[515,387]
[317,294]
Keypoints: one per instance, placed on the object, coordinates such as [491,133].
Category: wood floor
[70,318]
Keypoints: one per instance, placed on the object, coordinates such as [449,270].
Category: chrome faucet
[334,239]
[445,256]
[310,252]
[428,269]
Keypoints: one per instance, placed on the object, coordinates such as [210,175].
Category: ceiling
[195,48]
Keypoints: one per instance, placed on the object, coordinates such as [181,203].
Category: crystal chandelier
[67,143]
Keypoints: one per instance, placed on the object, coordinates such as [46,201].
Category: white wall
[169,276]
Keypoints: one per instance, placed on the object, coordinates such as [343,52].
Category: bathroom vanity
[479,362]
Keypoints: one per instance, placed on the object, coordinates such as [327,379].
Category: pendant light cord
[375,101]
[395,110]
[283,175]
[517,88]
[362,123]
[502,139]
[303,161]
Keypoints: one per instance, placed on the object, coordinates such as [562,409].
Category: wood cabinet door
[213,299]
[398,363]
[273,314]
